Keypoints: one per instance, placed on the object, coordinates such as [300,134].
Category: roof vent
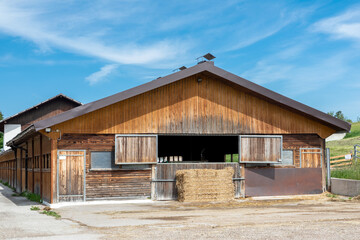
[180,69]
[207,56]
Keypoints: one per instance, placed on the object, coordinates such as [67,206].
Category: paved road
[315,217]
[17,221]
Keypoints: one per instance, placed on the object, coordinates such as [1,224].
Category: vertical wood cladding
[44,111]
[12,167]
[260,149]
[187,106]
[71,173]
[135,149]
[109,183]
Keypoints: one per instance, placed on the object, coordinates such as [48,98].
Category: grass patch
[34,208]
[330,195]
[32,197]
[346,145]
[352,172]
[7,184]
[355,131]
[51,213]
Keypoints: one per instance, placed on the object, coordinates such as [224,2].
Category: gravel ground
[305,217]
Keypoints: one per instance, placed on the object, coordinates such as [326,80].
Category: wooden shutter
[135,149]
[260,149]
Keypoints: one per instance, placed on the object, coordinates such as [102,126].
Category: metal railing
[356,153]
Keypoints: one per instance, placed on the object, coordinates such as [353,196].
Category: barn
[130,145]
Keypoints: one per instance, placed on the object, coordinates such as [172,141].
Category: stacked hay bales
[204,185]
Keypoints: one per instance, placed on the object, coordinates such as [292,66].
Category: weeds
[7,184]
[34,208]
[352,172]
[51,213]
[32,197]
[330,195]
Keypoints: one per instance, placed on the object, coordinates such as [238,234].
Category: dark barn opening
[198,148]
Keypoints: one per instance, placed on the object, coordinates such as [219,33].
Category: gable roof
[2,122]
[205,67]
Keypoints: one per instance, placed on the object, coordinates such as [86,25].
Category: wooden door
[71,175]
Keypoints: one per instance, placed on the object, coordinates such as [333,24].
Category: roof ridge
[43,102]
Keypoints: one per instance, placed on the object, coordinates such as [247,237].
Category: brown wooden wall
[260,149]
[135,149]
[44,111]
[110,183]
[186,106]
[13,170]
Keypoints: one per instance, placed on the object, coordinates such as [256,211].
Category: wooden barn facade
[130,145]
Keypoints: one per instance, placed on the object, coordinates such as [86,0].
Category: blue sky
[305,50]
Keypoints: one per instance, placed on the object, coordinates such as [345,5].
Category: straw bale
[203,185]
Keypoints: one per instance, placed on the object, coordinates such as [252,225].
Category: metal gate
[163,179]
[71,175]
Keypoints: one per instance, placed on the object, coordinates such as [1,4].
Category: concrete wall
[10,131]
[346,187]
[335,136]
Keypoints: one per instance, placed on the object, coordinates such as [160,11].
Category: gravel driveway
[315,217]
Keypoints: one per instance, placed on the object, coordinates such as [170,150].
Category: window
[287,157]
[103,160]
[260,149]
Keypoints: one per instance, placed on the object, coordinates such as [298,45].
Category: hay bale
[203,185]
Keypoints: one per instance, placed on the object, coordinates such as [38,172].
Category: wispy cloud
[102,74]
[144,34]
[343,26]
[310,74]
[30,22]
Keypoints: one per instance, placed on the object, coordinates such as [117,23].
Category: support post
[242,183]
[153,177]
[328,169]
[53,170]
[41,166]
[33,164]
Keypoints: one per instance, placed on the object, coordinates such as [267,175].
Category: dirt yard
[307,217]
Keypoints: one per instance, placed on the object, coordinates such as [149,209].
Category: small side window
[287,157]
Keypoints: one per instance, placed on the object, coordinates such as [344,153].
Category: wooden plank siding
[260,149]
[135,149]
[186,106]
[12,167]
[118,183]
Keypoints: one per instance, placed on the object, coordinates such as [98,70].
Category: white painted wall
[10,131]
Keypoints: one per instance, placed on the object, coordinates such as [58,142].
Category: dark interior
[197,148]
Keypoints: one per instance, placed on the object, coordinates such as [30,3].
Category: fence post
[328,169]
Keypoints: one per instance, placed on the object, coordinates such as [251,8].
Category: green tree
[339,115]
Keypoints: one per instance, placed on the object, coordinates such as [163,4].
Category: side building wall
[28,167]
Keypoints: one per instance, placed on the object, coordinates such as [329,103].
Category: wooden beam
[41,166]
[32,165]
[53,170]
[242,175]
